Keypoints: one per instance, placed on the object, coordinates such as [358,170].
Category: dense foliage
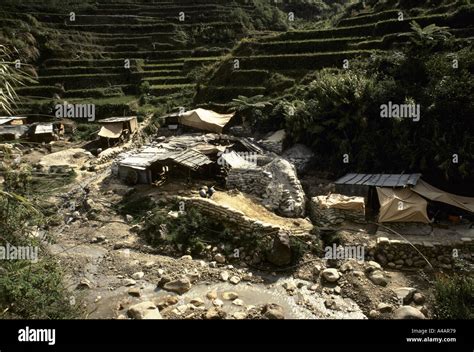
[338,112]
[28,289]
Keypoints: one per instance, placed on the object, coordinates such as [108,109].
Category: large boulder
[144,310]
[408,312]
[280,253]
[178,286]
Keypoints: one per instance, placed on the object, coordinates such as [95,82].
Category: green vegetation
[28,289]
[192,231]
[454,297]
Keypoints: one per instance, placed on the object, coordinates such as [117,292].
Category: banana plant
[10,78]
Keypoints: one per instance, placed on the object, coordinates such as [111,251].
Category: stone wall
[329,210]
[400,254]
[235,218]
[249,180]
[276,183]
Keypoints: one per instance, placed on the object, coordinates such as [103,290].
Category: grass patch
[454,297]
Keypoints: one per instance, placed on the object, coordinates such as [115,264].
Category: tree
[249,108]
[426,38]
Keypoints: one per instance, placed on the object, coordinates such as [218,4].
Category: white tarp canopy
[401,205]
[435,194]
[205,120]
[111,130]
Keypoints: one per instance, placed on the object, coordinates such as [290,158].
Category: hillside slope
[295,53]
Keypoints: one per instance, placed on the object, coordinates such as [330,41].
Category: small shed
[12,132]
[12,120]
[46,132]
[115,128]
[152,163]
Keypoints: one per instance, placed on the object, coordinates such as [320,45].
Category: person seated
[203,192]
[210,191]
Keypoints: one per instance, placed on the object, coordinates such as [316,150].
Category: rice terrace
[236,159]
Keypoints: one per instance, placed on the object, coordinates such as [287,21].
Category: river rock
[372,266]
[229,296]
[197,302]
[144,310]
[418,298]
[215,313]
[408,312]
[378,278]
[179,286]
[273,311]
[234,280]
[129,282]
[405,294]
[217,302]
[280,253]
[331,275]
[238,302]
[224,276]
[134,292]
[219,258]
[240,315]
[212,295]
[165,301]
[384,308]
[138,275]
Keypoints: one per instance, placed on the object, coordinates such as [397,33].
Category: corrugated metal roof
[145,157]
[117,119]
[7,119]
[235,161]
[380,180]
[40,129]
[191,158]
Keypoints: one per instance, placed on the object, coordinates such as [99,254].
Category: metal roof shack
[380,180]
[12,120]
[144,158]
[117,119]
[363,184]
[8,132]
[44,129]
[117,127]
[235,161]
[191,159]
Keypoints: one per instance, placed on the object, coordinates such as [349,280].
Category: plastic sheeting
[435,194]
[401,205]
[111,130]
[206,120]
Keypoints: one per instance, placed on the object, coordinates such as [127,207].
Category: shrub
[454,297]
[29,290]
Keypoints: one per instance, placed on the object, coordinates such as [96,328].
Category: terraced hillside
[275,62]
[113,52]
